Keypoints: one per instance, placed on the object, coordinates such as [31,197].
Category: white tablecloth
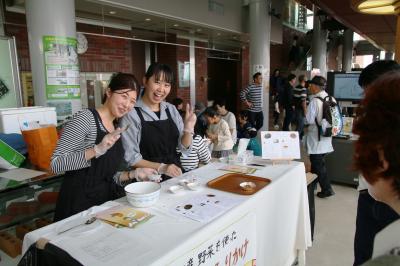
[281,211]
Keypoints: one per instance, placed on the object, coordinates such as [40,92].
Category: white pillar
[389,55]
[192,73]
[347,50]
[147,56]
[2,20]
[260,36]
[319,45]
[54,18]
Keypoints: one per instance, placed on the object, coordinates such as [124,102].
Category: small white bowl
[175,189]
[193,185]
[142,194]
[248,186]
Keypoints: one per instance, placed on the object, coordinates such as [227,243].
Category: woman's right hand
[170,170]
[107,142]
[144,174]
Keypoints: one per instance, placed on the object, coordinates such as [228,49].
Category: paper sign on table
[278,145]
[205,208]
[239,169]
[124,215]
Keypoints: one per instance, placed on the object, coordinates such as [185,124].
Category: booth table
[274,225]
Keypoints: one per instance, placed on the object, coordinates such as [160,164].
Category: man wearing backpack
[317,144]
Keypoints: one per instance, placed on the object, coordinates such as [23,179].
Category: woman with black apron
[157,127]
[90,151]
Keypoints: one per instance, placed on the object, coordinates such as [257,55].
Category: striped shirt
[253,94]
[299,95]
[79,134]
[199,154]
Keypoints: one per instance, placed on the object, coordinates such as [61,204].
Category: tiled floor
[334,229]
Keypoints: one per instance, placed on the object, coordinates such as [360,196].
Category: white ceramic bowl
[142,194]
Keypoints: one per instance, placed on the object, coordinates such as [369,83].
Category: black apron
[158,141]
[94,185]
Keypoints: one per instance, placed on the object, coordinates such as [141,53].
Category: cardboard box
[9,158]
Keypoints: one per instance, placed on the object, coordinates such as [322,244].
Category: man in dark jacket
[288,103]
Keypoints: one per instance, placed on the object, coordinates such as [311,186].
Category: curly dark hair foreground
[378,127]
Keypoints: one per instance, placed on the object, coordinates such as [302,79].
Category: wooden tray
[231,183]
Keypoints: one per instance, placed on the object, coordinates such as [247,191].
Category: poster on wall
[234,245]
[184,74]
[63,108]
[61,68]
[27,88]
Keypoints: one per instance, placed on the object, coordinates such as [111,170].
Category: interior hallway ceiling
[378,29]
[148,26]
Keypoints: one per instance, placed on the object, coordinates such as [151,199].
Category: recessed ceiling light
[112,12]
[148,19]
[198,29]
[218,34]
[176,25]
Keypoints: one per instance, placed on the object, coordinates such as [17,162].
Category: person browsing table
[157,127]
[90,150]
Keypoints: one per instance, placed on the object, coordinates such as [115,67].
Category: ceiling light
[198,30]
[176,25]
[379,7]
[112,12]
[218,34]
[148,19]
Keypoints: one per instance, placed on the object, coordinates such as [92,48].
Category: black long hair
[122,81]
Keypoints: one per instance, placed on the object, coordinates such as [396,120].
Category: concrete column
[2,20]
[53,18]
[260,36]
[192,72]
[347,54]
[319,45]
[147,56]
[397,47]
[389,55]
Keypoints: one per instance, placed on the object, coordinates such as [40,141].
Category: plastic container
[12,120]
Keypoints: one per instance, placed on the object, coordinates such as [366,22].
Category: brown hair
[378,127]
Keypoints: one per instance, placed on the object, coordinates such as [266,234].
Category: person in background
[252,98]
[90,150]
[229,117]
[372,215]
[377,157]
[157,129]
[276,87]
[287,100]
[299,100]
[199,154]
[178,103]
[243,125]
[317,148]
[254,145]
[200,127]
[219,134]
